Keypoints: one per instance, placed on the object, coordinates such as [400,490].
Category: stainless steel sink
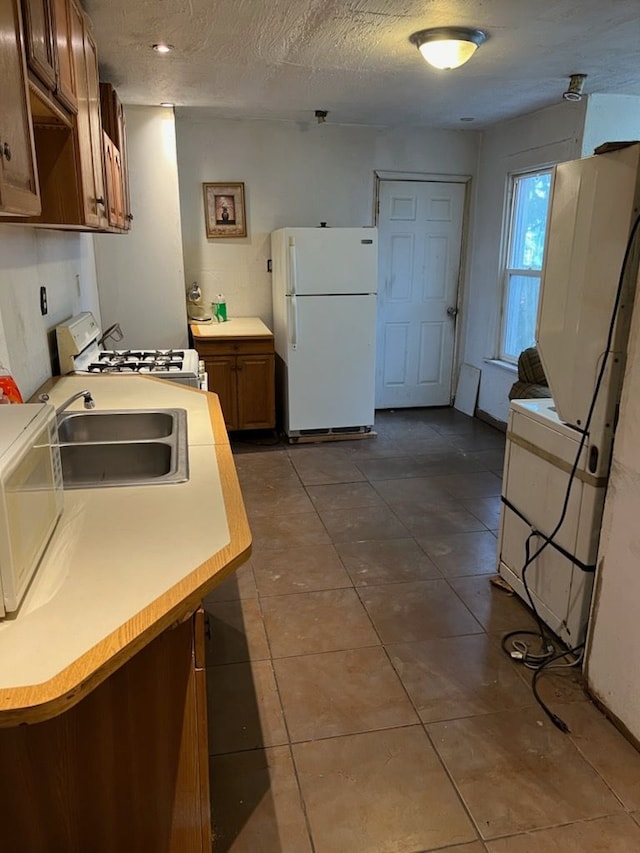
[117,425]
[123,448]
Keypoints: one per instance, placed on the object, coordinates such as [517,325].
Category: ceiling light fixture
[162,47]
[574,92]
[448,47]
[167,104]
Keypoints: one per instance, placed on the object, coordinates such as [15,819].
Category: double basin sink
[125,447]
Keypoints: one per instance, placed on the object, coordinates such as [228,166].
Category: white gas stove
[80,351]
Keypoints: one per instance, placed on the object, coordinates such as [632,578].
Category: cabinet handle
[7,151]
[100,201]
[129,216]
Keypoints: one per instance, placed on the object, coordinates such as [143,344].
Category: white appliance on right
[324,323]
[594,204]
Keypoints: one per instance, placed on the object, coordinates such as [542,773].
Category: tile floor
[359,701]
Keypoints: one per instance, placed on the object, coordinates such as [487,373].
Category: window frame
[508,238]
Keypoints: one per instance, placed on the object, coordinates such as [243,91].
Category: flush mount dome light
[162,47]
[448,47]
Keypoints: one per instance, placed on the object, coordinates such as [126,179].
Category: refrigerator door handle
[293,266]
[293,321]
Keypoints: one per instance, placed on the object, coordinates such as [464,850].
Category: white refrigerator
[324,319]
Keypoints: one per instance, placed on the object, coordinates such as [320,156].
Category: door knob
[452,311]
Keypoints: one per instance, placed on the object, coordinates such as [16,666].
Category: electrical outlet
[43,301]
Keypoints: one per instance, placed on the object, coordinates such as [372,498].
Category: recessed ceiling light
[166,104]
[162,47]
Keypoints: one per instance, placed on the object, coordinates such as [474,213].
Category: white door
[420,239]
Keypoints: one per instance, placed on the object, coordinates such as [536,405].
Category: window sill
[505,365]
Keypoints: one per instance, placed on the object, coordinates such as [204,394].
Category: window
[523,263]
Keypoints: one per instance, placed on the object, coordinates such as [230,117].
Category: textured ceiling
[283,59]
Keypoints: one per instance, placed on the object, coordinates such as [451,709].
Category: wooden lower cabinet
[124,770]
[242,373]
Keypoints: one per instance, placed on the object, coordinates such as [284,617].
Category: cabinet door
[19,191]
[91,180]
[221,371]
[66,81]
[95,122]
[256,391]
[39,40]
[113,178]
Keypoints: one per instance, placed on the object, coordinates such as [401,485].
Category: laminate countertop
[124,563]
[235,327]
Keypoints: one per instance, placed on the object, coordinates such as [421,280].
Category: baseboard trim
[489,419]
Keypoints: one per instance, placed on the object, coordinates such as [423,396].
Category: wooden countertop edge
[36,703]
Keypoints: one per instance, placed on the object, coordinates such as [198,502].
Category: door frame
[381,175]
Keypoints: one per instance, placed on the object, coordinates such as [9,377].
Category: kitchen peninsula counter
[124,563]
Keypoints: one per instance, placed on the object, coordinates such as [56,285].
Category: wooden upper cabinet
[19,193]
[113,124]
[38,26]
[88,130]
[48,39]
[66,79]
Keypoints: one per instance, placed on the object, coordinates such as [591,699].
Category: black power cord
[548,655]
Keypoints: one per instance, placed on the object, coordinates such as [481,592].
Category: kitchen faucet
[88,401]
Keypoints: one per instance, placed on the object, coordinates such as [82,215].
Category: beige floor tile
[386,561]
[458,554]
[339,693]
[319,465]
[289,531]
[353,525]
[236,632]
[344,496]
[379,792]
[437,518]
[406,613]
[310,622]
[313,567]
[472,847]
[615,834]
[255,803]
[517,772]
[276,498]
[458,677]
[240,584]
[615,759]
[496,610]
[244,710]
[467,486]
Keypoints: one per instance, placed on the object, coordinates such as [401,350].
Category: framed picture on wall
[224,213]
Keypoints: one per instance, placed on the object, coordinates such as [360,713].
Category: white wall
[614,646]
[140,275]
[610,118]
[540,139]
[29,258]
[294,174]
